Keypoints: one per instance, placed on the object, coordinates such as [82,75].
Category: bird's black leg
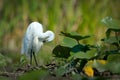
[31,59]
[35,59]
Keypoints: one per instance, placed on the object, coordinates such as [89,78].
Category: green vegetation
[73,59]
[79,50]
[99,57]
[74,15]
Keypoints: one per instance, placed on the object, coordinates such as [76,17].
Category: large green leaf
[114,67]
[61,51]
[80,47]
[113,58]
[110,23]
[113,64]
[68,42]
[75,36]
[82,55]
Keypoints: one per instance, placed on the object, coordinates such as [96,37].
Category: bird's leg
[31,59]
[35,59]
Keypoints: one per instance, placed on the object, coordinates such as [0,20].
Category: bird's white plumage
[51,34]
[34,37]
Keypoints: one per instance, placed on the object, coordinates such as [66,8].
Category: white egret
[33,40]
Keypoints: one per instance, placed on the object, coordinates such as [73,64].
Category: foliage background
[82,16]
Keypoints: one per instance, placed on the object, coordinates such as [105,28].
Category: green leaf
[76,77]
[111,40]
[113,64]
[83,55]
[99,66]
[61,51]
[110,23]
[80,47]
[114,67]
[60,71]
[110,30]
[75,36]
[34,75]
[68,42]
[113,58]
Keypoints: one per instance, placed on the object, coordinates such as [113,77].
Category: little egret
[33,40]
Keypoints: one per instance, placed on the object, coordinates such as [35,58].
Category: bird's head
[50,35]
[46,37]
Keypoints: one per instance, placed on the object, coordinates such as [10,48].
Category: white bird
[33,40]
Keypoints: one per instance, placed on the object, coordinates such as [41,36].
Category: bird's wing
[26,45]
[27,41]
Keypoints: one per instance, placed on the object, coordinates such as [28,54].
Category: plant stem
[78,42]
[116,35]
